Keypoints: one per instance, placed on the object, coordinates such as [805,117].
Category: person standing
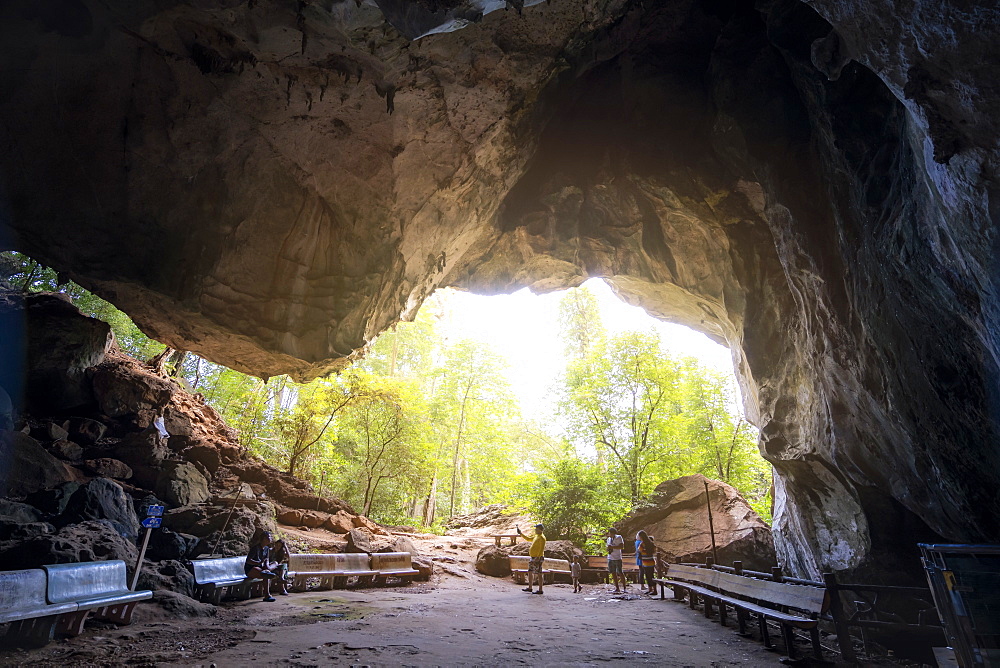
[537,554]
[575,571]
[638,561]
[647,567]
[615,543]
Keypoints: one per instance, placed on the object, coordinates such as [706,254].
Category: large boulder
[677,519]
[96,540]
[125,390]
[61,344]
[169,574]
[14,515]
[108,468]
[103,499]
[55,500]
[67,450]
[167,544]
[358,540]
[26,467]
[222,530]
[493,561]
[339,522]
[86,431]
[181,484]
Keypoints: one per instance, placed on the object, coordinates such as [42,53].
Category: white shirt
[617,543]
[160,427]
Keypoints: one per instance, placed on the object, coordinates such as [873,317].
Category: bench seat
[332,569]
[791,605]
[393,564]
[98,586]
[25,607]
[213,577]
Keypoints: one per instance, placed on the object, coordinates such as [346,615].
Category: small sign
[154,511]
[152,522]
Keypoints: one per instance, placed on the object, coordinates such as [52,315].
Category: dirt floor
[459,618]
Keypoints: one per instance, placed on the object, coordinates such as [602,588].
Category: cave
[810,182]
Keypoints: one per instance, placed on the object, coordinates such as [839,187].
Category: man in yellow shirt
[537,554]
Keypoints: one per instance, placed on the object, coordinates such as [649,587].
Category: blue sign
[154,511]
[152,522]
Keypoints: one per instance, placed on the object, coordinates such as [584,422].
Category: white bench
[95,586]
[212,577]
[333,570]
[23,605]
[393,565]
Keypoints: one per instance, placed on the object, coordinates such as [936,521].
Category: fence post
[776,574]
[709,562]
[839,618]
[738,567]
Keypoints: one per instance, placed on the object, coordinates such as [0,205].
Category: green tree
[573,499]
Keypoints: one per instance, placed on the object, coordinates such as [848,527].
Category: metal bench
[24,606]
[94,586]
[301,567]
[393,564]
[353,565]
[213,577]
[791,605]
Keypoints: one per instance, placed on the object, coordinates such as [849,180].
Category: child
[575,569]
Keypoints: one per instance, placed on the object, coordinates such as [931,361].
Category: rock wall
[813,183]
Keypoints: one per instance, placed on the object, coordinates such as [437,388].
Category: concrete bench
[95,586]
[214,577]
[333,570]
[24,606]
[791,605]
[557,567]
[393,565]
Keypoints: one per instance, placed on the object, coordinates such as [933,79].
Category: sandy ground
[460,618]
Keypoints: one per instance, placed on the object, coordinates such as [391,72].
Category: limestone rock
[169,575]
[108,468]
[207,523]
[180,606]
[53,501]
[103,499]
[290,517]
[313,520]
[125,392]
[66,450]
[14,515]
[167,544]
[677,519]
[206,455]
[403,544]
[28,467]
[423,564]
[181,484]
[339,522]
[358,540]
[86,431]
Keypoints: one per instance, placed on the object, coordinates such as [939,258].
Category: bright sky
[524,328]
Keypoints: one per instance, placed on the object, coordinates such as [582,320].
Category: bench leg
[722,613]
[692,599]
[764,635]
[118,614]
[31,633]
[663,591]
[71,624]
[299,583]
[678,593]
[788,635]
[741,620]
[708,606]
[817,648]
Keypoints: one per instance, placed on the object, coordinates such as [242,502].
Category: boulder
[206,455]
[53,501]
[66,450]
[141,449]
[677,519]
[96,540]
[103,499]
[108,468]
[14,515]
[86,431]
[493,561]
[167,544]
[358,540]
[28,467]
[290,517]
[313,520]
[403,544]
[424,565]
[61,345]
[207,522]
[362,522]
[51,431]
[170,575]
[339,522]
[181,484]
[125,391]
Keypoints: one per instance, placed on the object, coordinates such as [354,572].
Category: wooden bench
[95,586]
[550,569]
[791,605]
[557,567]
[599,564]
[214,577]
[497,537]
[393,565]
[24,606]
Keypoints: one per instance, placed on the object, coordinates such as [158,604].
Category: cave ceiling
[271,184]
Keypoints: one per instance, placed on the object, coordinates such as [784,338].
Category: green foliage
[575,500]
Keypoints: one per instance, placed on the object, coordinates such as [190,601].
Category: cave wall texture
[813,182]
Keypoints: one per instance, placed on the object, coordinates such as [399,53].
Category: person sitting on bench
[279,564]
[256,565]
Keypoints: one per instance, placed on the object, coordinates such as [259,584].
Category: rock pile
[82,462]
[677,518]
